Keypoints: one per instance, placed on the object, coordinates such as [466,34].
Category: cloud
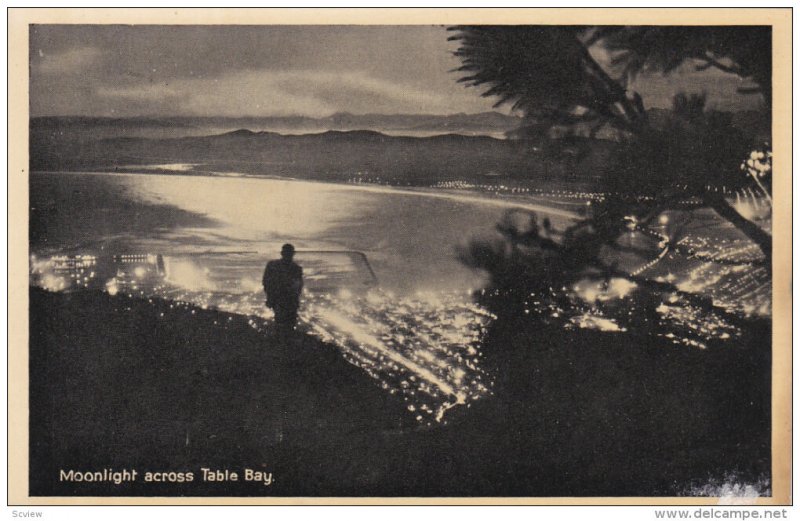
[294,92]
[67,62]
[279,70]
[152,93]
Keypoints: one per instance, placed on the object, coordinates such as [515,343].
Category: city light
[425,346]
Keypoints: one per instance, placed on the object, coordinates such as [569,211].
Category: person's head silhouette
[287,252]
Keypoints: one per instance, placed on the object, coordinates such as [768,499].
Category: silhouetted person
[283,283]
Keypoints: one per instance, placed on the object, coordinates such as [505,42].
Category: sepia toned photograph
[426,260]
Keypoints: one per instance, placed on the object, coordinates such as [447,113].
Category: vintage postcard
[512,256]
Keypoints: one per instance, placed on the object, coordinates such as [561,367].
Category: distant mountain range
[494,124]
[486,123]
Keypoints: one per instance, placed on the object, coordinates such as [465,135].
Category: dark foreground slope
[627,414]
[124,383]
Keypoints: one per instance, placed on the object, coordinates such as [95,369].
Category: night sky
[277,71]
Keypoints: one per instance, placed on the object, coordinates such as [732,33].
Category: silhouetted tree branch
[551,75]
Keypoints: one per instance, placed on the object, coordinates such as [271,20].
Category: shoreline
[465,196]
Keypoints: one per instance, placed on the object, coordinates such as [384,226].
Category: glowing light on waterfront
[53,283]
[186,274]
[589,321]
[599,291]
